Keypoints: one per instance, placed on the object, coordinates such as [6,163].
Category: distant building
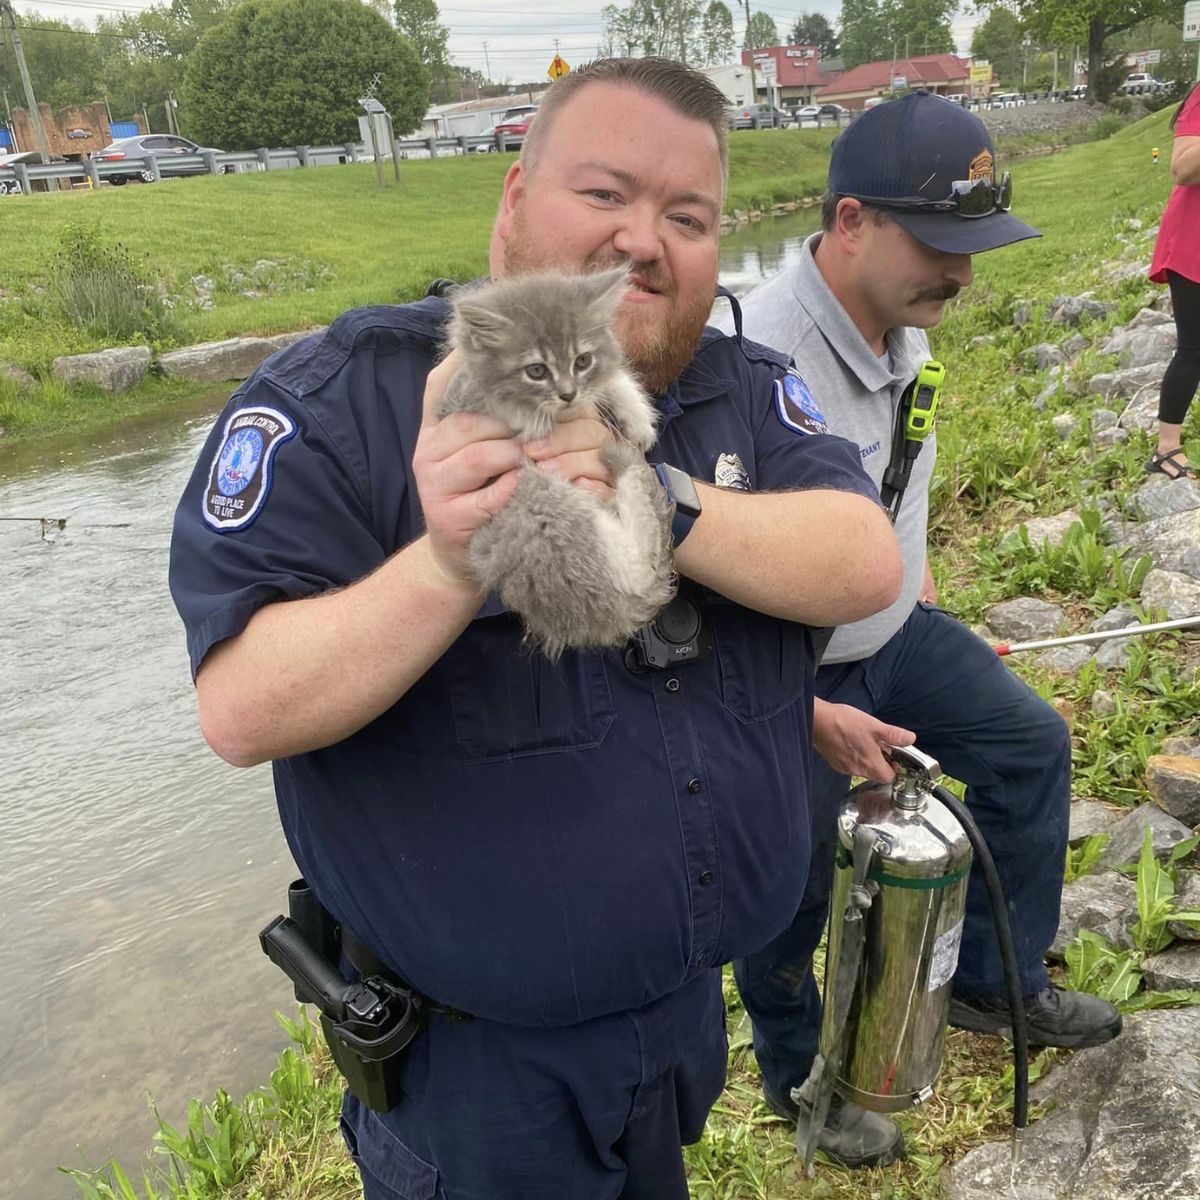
[799,72]
[943,74]
[72,133]
[469,118]
[733,79]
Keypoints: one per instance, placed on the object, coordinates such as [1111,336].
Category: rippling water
[135,867]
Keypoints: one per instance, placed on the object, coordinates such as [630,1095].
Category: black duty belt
[365,961]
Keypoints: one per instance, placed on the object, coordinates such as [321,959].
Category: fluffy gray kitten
[580,571]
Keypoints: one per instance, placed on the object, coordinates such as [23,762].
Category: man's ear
[849,222]
[514,189]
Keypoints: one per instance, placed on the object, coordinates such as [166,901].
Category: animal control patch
[796,407]
[240,478]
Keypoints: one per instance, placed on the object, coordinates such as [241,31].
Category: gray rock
[1045,529]
[1180,745]
[1104,704]
[1090,817]
[1174,783]
[1064,425]
[1065,659]
[235,358]
[1110,437]
[1174,967]
[110,370]
[1103,418]
[1103,903]
[1124,385]
[1043,355]
[1173,543]
[982,631]
[1073,310]
[1025,619]
[1022,313]
[1125,1124]
[1172,592]
[1076,344]
[1118,272]
[1187,899]
[1133,223]
[1142,411]
[1141,347]
[1115,618]
[1125,843]
[983,339]
[16,377]
[1148,317]
[1160,497]
[1114,655]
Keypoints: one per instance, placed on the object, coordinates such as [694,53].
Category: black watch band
[681,488]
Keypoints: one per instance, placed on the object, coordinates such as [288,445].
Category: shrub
[95,285]
[1108,124]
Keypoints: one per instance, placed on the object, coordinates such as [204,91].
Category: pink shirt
[1177,247]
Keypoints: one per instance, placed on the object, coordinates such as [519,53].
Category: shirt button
[694,785]
[672,685]
[705,877]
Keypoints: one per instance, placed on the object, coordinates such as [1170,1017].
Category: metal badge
[731,473]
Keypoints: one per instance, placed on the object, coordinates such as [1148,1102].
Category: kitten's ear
[482,327]
[605,290]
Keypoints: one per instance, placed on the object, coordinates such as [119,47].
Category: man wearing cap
[912,194]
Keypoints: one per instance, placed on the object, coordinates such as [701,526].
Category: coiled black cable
[1008,955]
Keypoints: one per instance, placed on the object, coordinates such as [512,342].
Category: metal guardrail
[25,175]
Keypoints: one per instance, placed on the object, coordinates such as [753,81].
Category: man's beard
[656,357]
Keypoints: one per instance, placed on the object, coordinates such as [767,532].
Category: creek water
[135,868]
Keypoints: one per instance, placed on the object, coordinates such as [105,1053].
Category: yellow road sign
[981,74]
[558,68]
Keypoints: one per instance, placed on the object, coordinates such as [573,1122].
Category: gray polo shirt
[797,314]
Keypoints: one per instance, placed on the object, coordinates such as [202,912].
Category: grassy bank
[1000,461]
[278,251]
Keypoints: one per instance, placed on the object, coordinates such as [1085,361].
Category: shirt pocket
[766,664]
[511,702]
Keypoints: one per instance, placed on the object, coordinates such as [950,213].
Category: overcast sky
[519,36]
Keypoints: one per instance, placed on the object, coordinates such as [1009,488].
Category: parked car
[834,110]
[1079,92]
[806,112]
[161,146]
[1140,84]
[767,116]
[515,123]
[12,187]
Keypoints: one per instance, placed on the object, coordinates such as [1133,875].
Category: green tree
[864,33]
[418,21]
[63,59]
[1090,22]
[665,27]
[761,31]
[998,40]
[716,34]
[812,29]
[291,72]
[916,27]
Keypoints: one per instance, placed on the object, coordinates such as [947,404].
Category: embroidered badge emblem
[240,478]
[980,166]
[796,407]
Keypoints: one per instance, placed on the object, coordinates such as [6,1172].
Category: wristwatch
[681,488]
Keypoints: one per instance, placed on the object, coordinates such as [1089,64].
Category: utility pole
[34,113]
[487,62]
[753,80]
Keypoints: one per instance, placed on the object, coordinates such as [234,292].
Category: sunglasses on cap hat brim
[969,198]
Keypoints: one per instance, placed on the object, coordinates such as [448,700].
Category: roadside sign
[899,83]
[981,73]
[557,68]
[766,68]
[1191,21]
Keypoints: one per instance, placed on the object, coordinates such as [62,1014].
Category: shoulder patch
[796,407]
[240,478]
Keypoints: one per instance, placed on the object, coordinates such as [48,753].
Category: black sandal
[1181,470]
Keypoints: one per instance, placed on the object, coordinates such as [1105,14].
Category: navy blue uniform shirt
[534,843]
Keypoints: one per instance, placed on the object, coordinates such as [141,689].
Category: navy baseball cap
[932,166]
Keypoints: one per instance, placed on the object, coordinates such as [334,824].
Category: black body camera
[675,637]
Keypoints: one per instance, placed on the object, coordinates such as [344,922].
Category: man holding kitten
[561,855]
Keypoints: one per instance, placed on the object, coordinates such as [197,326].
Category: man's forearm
[821,557]
[306,673]
[1185,161]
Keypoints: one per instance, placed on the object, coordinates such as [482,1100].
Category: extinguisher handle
[912,759]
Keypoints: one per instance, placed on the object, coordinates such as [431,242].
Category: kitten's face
[541,347]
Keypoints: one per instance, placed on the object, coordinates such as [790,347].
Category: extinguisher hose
[1008,955]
